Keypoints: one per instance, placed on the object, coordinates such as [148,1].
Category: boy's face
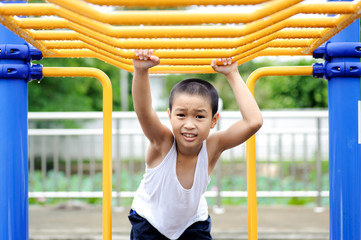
[191,119]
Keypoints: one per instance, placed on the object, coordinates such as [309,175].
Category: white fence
[62,146]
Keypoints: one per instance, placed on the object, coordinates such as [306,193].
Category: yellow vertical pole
[251,178]
[251,142]
[107,133]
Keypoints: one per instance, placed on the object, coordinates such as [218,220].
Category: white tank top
[163,201]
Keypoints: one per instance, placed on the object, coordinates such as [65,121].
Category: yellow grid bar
[176,43]
[107,133]
[171,17]
[86,53]
[195,54]
[80,44]
[250,44]
[173,3]
[175,31]
[191,43]
[195,61]
[162,69]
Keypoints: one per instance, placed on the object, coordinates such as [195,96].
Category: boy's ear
[215,120]
[169,113]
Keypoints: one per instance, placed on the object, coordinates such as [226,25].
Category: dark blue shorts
[143,230]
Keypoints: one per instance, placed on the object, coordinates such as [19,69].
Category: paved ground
[85,223]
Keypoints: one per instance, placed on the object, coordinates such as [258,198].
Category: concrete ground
[274,222]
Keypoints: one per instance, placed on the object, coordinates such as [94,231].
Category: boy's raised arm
[153,129]
[251,120]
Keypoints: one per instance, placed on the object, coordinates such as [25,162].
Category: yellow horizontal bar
[256,41]
[272,52]
[206,61]
[184,17]
[79,44]
[173,69]
[172,17]
[292,51]
[177,31]
[266,26]
[173,3]
[196,61]
[131,55]
[189,53]
[56,35]
[91,28]
[164,54]
[177,53]
[277,71]
[175,43]
[323,22]
[64,44]
[184,53]
[107,134]
[126,64]
[27,9]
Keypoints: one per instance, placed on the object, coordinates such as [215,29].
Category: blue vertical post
[345,158]
[13,150]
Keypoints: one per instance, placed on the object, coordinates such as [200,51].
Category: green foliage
[292,91]
[271,92]
[73,94]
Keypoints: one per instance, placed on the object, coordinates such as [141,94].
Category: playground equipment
[107,133]
[186,42]
[269,30]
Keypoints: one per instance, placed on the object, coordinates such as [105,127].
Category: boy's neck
[188,152]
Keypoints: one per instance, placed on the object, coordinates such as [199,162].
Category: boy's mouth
[189,136]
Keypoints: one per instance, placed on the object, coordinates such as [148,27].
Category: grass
[229,182]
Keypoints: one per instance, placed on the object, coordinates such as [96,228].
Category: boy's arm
[153,129]
[251,120]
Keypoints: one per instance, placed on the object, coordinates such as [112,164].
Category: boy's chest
[186,170]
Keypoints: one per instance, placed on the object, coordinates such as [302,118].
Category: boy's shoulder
[157,151]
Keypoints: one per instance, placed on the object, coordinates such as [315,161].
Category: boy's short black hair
[195,86]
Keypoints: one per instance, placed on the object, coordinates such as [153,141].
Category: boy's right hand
[227,68]
[146,59]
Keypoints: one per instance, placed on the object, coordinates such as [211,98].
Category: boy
[169,203]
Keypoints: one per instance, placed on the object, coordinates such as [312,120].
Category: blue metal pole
[13,150]
[344,148]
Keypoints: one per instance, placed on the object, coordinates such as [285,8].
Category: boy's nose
[189,125]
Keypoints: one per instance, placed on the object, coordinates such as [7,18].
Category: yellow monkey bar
[175,3]
[251,142]
[107,133]
[185,40]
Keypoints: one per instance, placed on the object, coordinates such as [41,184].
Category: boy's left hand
[145,60]
[227,67]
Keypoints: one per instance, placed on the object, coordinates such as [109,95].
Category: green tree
[271,92]
[73,94]
[292,91]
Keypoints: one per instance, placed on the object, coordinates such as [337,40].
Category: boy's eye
[199,116]
[180,115]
